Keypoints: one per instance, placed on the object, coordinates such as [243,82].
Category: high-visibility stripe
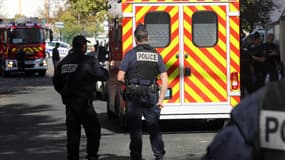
[127,35]
[144,1]
[234,6]
[235,100]
[209,73]
[208,80]
[168,53]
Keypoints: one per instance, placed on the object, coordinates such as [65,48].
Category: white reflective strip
[272,129]
[68,68]
[234,14]
[128,15]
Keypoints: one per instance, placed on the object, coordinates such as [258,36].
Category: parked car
[63,48]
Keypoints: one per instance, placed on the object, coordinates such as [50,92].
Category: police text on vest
[147,56]
[68,68]
[272,129]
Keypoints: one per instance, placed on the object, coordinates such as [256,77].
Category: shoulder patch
[147,56]
[68,68]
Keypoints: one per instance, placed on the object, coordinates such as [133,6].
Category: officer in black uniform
[272,56]
[258,57]
[139,70]
[74,78]
[55,54]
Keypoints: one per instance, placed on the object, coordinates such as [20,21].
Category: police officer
[73,78]
[139,70]
[256,130]
[258,57]
[272,56]
[55,55]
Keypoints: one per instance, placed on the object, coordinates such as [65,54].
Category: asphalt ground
[32,120]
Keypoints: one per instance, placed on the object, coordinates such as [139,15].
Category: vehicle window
[26,36]
[158,27]
[63,45]
[205,28]
[51,44]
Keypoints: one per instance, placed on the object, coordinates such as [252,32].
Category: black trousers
[77,115]
[135,109]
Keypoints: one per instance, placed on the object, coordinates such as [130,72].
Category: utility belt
[141,90]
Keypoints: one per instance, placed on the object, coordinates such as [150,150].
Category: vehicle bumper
[37,64]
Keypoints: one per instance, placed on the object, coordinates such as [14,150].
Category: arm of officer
[121,76]
[98,71]
[164,79]
[57,81]
[124,66]
[259,59]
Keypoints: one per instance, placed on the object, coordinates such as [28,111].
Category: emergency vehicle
[199,41]
[22,47]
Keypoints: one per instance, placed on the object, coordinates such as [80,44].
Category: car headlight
[10,64]
[45,62]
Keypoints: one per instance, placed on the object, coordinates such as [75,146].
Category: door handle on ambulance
[185,56]
[187,71]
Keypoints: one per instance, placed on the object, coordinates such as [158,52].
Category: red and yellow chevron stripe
[234,50]
[208,82]
[168,53]
[29,49]
[136,1]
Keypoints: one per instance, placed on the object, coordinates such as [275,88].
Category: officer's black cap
[141,32]
[79,41]
[256,35]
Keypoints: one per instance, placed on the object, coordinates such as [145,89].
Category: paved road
[32,121]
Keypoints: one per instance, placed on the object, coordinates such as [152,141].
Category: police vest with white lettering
[145,66]
[272,123]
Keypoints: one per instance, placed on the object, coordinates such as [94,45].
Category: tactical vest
[272,123]
[144,69]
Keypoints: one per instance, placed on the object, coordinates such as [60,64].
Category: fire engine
[22,47]
[199,41]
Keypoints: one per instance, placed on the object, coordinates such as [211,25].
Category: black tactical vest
[144,69]
[272,123]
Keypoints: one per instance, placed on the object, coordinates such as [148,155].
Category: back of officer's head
[79,43]
[141,33]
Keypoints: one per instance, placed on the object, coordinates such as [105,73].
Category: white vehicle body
[63,48]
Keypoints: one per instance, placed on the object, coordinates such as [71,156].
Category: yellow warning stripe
[206,76]
[194,94]
[161,1]
[142,11]
[205,59]
[128,9]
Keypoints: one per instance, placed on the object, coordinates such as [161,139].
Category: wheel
[42,73]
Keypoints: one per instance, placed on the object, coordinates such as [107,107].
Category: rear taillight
[234,81]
